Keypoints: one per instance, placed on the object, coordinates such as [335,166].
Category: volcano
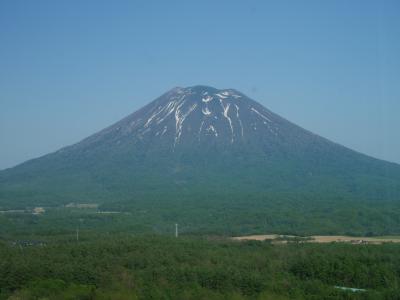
[202,144]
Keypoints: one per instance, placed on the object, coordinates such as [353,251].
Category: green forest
[128,266]
[112,253]
[231,215]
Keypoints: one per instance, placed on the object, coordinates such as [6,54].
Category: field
[322,239]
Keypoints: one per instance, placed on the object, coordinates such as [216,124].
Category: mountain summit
[201,144]
[204,118]
[196,116]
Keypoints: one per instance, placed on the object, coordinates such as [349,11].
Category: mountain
[209,150]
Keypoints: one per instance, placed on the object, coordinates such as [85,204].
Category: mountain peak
[196,116]
[203,115]
[203,90]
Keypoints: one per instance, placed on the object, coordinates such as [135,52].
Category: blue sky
[70,68]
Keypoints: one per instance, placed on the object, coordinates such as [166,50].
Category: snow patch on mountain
[260,114]
[221,96]
[180,118]
[238,117]
[207,99]
[226,110]
[206,111]
[211,128]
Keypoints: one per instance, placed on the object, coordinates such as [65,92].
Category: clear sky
[70,68]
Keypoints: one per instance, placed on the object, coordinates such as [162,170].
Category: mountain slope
[198,143]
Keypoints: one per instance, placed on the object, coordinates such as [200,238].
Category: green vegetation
[317,191]
[227,217]
[159,267]
[328,190]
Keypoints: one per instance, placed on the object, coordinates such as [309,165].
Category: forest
[128,266]
[109,252]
